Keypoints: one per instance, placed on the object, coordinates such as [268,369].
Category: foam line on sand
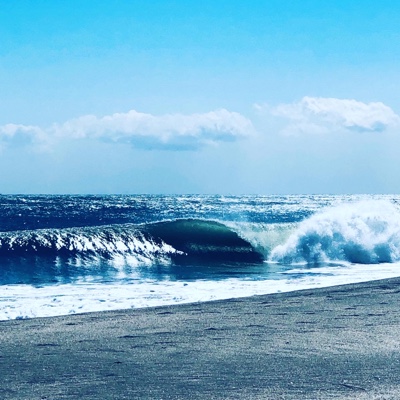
[341,342]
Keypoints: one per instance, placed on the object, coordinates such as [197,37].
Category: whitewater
[62,255]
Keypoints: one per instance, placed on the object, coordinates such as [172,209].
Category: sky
[208,97]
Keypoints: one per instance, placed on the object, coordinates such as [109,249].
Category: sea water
[72,254]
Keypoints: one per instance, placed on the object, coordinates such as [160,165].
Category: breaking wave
[104,242]
[365,232]
[59,254]
[206,240]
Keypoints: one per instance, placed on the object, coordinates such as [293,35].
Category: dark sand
[335,343]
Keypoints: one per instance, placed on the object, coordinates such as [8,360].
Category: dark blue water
[59,239]
[37,212]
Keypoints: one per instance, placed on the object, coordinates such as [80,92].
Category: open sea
[71,254]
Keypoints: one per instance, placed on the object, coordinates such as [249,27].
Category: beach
[199,200]
[331,343]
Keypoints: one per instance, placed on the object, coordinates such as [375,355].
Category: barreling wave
[77,251]
[365,232]
[188,239]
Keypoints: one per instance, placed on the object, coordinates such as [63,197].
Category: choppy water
[68,254]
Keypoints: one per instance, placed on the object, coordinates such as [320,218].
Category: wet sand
[335,343]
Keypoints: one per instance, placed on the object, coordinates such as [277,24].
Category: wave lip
[366,232]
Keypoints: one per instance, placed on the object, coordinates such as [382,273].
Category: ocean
[69,254]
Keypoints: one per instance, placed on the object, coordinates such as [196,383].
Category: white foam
[361,232]
[25,301]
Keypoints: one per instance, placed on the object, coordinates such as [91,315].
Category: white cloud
[171,131]
[21,135]
[323,115]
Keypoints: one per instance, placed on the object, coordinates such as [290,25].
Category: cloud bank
[147,131]
[323,115]
[316,115]
[172,131]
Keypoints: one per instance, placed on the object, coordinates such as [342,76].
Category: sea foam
[366,232]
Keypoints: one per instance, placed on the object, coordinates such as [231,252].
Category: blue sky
[199,97]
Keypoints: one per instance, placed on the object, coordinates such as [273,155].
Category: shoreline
[336,342]
[27,301]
